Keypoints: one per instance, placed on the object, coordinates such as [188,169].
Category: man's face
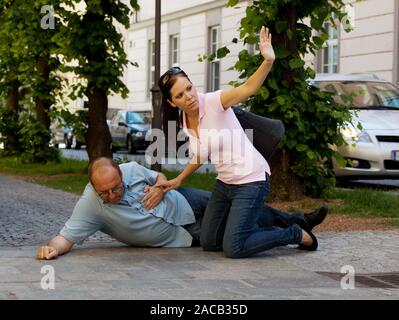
[109,186]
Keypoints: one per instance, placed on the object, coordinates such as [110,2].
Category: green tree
[29,52]
[9,83]
[38,72]
[93,49]
[312,118]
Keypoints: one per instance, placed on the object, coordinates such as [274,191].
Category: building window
[174,51]
[214,66]
[329,54]
[151,65]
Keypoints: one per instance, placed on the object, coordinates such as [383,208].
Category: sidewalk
[105,269]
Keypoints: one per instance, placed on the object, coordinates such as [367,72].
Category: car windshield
[366,94]
[138,117]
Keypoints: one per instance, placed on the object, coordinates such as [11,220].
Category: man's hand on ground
[152,198]
[47,253]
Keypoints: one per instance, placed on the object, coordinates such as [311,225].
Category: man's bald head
[103,168]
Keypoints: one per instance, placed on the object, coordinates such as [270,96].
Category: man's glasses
[171,72]
[104,195]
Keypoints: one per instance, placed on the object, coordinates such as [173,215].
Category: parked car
[128,130]
[373,151]
[61,133]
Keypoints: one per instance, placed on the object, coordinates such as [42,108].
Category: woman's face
[184,95]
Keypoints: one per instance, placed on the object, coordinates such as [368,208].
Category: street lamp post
[156,94]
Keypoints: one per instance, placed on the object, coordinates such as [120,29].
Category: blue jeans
[198,200]
[237,221]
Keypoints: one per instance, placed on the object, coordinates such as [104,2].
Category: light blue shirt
[128,221]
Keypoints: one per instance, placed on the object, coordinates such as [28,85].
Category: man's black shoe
[315,218]
[309,220]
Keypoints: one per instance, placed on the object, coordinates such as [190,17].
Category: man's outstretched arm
[56,246]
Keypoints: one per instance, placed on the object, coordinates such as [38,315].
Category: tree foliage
[85,40]
[9,85]
[30,73]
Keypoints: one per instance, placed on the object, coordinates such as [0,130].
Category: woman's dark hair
[169,113]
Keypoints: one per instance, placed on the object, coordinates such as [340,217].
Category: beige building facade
[195,27]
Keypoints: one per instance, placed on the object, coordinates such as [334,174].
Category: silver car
[374,150]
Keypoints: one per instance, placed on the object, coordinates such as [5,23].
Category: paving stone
[17,252]
[212,284]
[366,251]
[81,284]
[132,294]
[70,276]
[287,281]
[138,284]
[20,277]
[273,293]
[8,270]
[204,294]
[357,293]
[161,275]
[31,294]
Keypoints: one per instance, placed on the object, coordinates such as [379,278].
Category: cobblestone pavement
[31,214]
[106,269]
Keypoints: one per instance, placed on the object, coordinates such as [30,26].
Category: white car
[374,150]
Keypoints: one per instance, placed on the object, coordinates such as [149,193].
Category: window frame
[174,50]
[330,44]
[151,66]
[213,80]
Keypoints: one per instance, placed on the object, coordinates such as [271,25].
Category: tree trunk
[13,97]
[98,139]
[11,143]
[291,44]
[43,105]
[285,185]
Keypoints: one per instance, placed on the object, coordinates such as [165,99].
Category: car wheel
[342,182]
[130,146]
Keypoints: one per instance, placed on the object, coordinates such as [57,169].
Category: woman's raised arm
[234,96]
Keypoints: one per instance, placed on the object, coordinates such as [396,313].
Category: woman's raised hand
[265,45]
